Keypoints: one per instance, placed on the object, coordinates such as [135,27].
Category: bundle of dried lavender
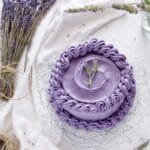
[18,23]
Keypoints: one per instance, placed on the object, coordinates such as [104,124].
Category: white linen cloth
[59,30]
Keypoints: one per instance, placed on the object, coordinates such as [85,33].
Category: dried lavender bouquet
[18,23]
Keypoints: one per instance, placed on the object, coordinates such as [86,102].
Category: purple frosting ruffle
[117,104]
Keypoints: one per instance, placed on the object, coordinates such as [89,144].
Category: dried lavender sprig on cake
[18,24]
[91,72]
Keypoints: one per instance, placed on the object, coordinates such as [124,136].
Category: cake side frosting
[96,111]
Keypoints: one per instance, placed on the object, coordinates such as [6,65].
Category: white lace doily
[124,132]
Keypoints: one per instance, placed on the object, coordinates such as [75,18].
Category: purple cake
[92,86]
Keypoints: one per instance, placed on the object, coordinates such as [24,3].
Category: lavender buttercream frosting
[92,100]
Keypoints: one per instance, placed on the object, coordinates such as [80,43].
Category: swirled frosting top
[76,80]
